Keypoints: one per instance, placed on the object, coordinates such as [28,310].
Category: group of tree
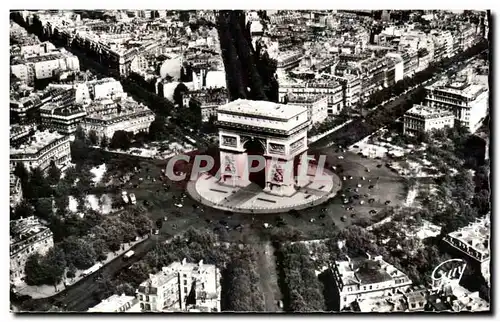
[241,288]
[84,242]
[302,289]
[121,140]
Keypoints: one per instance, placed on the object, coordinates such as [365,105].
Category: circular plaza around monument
[252,199]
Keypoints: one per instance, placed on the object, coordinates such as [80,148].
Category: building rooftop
[427,112]
[38,141]
[22,229]
[112,303]
[363,271]
[205,278]
[460,86]
[475,235]
[304,99]
[262,108]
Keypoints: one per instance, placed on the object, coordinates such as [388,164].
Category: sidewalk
[315,138]
[43,291]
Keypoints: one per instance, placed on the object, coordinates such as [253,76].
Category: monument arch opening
[255,147]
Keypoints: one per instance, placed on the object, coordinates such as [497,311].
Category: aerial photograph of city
[218,161]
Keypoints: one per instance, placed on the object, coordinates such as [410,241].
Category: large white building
[332,89]
[106,117]
[362,278]
[117,304]
[44,65]
[181,287]
[421,119]
[317,106]
[27,237]
[42,148]
[468,101]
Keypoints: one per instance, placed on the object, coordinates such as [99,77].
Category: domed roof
[171,67]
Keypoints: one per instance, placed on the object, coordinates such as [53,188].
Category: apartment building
[317,106]
[289,60]
[63,119]
[362,278]
[182,287]
[42,148]
[409,57]
[375,72]
[351,85]
[105,88]
[468,101]
[20,133]
[117,304]
[421,119]
[332,89]
[27,237]
[412,299]
[208,101]
[472,240]
[42,66]
[126,115]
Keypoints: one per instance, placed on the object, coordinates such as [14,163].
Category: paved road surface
[268,277]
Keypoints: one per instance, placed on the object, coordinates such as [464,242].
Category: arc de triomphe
[278,131]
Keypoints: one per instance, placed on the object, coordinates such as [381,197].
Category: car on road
[353,215]
[361,202]
[349,208]
[350,177]
[387,202]
[359,185]
[379,166]
[372,200]
[355,146]
[178,205]
[373,212]
[343,218]
[340,157]
[321,216]
[156,232]
[128,254]
[371,186]
[367,170]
